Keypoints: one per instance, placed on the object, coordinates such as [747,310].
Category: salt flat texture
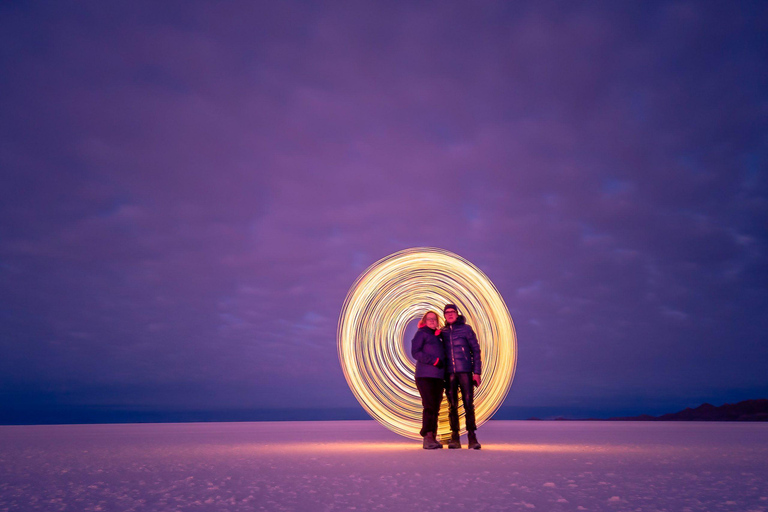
[358,465]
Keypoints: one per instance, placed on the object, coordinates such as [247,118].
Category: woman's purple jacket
[426,348]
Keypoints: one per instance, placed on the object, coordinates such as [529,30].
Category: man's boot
[454,443]
[430,443]
[472,441]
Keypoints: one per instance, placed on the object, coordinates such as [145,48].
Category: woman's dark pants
[464,382]
[431,391]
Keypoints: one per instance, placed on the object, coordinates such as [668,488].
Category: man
[463,368]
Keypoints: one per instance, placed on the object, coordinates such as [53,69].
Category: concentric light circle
[398,289]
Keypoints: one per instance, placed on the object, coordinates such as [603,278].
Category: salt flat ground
[358,465]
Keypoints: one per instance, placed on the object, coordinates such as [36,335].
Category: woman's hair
[423,320]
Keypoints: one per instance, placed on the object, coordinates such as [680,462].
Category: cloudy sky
[189,189]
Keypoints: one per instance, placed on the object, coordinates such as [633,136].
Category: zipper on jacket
[453,357]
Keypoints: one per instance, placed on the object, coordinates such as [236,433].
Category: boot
[454,443]
[472,441]
[430,443]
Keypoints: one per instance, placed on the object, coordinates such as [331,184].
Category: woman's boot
[430,443]
[455,442]
[472,441]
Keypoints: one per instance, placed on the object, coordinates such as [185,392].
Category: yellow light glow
[357,447]
[384,299]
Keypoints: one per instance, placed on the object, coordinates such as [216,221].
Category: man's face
[451,315]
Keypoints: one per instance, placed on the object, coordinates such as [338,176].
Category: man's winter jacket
[462,351]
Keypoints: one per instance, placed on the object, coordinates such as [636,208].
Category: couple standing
[447,358]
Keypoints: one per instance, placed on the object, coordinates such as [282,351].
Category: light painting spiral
[398,289]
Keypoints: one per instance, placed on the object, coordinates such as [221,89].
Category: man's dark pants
[464,382]
[431,391]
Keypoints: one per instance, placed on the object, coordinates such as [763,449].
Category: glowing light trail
[398,289]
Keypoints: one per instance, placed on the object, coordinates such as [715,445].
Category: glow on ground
[364,447]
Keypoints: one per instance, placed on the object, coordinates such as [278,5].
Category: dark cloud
[188,191]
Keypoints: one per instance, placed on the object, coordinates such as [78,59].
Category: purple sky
[189,190]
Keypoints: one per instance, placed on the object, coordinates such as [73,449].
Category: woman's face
[432,321]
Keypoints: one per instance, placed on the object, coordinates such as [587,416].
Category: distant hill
[748,410]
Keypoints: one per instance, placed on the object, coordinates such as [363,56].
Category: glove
[439,363]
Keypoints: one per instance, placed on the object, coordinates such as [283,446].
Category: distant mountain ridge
[748,410]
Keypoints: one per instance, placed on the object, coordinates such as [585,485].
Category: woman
[428,351]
